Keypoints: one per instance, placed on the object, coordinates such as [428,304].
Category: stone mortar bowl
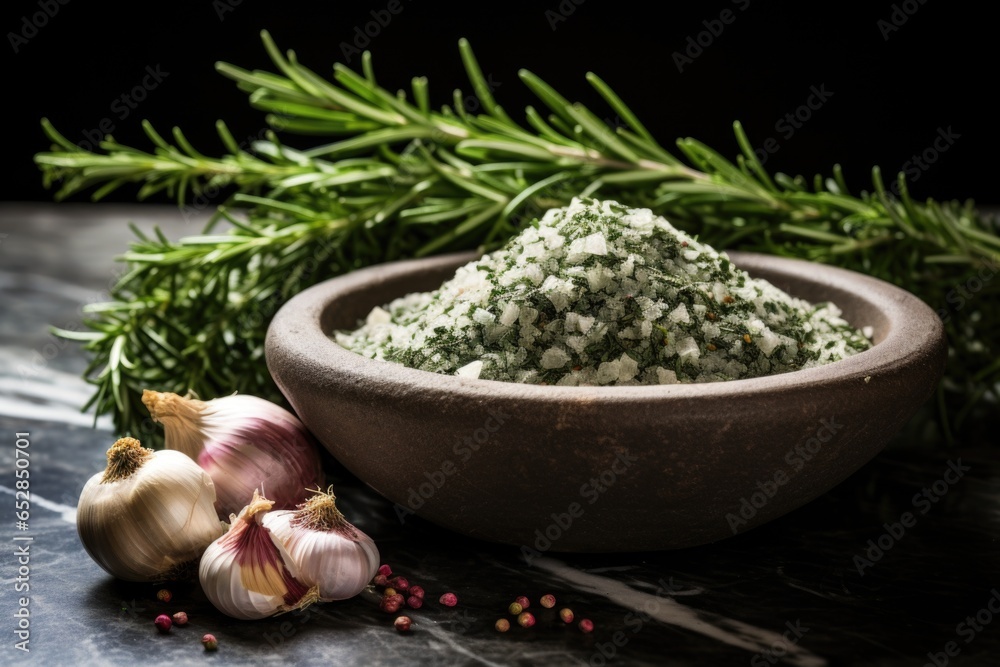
[603,469]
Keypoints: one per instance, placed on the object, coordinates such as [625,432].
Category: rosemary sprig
[398,178]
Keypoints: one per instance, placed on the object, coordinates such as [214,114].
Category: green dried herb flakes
[600,294]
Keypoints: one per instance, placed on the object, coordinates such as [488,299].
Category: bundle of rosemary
[399,178]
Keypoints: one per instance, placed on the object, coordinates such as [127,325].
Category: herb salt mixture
[600,294]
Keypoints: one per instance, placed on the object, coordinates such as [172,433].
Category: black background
[890,96]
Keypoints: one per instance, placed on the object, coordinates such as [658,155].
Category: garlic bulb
[244,443]
[330,553]
[149,515]
[246,574]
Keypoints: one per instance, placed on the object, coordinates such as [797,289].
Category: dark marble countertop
[788,593]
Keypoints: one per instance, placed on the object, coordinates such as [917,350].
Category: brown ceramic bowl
[604,468]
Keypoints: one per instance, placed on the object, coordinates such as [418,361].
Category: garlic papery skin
[244,443]
[329,552]
[246,574]
[149,515]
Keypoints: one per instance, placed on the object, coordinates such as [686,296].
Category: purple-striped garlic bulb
[244,443]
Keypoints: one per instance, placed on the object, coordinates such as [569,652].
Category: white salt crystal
[470,370]
[599,277]
[627,368]
[581,248]
[509,314]
[534,273]
[767,341]
[378,316]
[679,314]
[664,376]
[483,316]
[554,357]
[687,348]
[608,371]
[576,343]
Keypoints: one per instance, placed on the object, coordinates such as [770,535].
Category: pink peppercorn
[210,643]
[566,615]
[548,601]
[414,602]
[449,600]
[385,570]
[418,591]
[403,623]
[586,625]
[180,618]
[400,584]
[391,604]
[502,625]
[526,619]
[523,601]
[163,623]
[163,595]
[380,580]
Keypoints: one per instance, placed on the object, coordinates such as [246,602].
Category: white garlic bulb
[244,443]
[149,515]
[329,552]
[246,574]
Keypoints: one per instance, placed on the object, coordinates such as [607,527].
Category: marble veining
[788,593]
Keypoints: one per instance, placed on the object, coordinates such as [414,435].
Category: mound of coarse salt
[599,294]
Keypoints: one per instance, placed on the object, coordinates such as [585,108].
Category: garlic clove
[244,443]
[149,516]
[328,551]
[248,575]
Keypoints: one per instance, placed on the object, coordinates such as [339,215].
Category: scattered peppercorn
[711,347]
[210,643]
[403,623]
[448,599]
[385,570]
[586,625]
[163,595]
[526,619]
[502,625]
[389,592]
[566,615]
[548,601]
[180,618]
[414,602]
[380,580]
[417,591]
[523,601]
[746,338]
[400,584]
[515,608]
[391,604]
[163,623]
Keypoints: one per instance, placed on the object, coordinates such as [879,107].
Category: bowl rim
[914,331]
